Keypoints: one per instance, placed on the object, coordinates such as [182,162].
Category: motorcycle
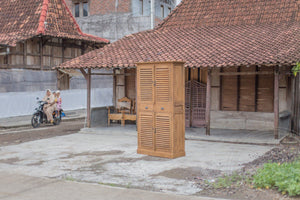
[39,117]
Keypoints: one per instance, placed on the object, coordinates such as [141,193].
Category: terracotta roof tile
[20,20]
[195,13]
[210,33]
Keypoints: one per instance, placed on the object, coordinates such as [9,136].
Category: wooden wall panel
[16,59]
[130,84]
[47,61]
[247,90]
[68,52]
[33,60]
[229,93]
[33,46]
[57,51]
[265,91]
[57,61]
[195,74]
[47,50]
[2,60]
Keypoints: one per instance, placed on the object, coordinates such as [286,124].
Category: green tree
[296,69]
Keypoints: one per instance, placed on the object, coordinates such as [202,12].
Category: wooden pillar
[208,99]
[276,102]
[114,87]
[25,53]
[88,81]
[41,53]
[62,52]
[87,76]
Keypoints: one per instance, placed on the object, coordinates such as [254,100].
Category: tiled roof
[23,19]
[195,13]
[223,33]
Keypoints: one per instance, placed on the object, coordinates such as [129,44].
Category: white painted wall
[24,103]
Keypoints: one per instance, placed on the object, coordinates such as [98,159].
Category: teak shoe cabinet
[160,109]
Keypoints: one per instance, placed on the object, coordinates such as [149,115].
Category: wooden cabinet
[160,109]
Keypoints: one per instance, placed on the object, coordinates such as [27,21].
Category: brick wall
[101,7]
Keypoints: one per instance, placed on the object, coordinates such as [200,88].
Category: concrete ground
[107,156]
[16,187]
[236,136]
[21,121]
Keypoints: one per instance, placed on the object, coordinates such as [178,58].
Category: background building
[113,19]
[34,38]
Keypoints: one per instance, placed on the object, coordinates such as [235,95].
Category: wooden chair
[124,111]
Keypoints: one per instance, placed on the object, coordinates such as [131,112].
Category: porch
[239,98]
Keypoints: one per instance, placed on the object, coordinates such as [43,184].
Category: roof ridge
[74,20]
[77,26]
[41,27]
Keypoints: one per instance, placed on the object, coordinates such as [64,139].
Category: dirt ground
[26,134]
[287,151]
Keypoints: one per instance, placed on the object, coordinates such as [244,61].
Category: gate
[195,104]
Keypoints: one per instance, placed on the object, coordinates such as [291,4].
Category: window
[169,10]
[81,8]
[141,7]
[77,5]
[250,93]
[162,11]
[85,9]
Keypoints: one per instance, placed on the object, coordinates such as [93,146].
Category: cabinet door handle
[162,108]
[146,107]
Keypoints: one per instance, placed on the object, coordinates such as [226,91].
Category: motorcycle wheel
[35,121]
[56,120]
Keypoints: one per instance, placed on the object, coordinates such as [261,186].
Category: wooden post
[114,87]
[87,76]
[41,53]
[208,94]
[88,81]
[276,102]
[25,53]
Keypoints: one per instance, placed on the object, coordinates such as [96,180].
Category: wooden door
[145,95]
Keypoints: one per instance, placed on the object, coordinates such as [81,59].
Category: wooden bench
[125,110]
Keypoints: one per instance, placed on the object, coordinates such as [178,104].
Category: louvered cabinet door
[162,134]
[145,88]
[163,89]
[146,131]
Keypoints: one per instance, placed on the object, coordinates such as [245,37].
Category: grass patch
[109,184]
[227,181]
[69,178]
[284,177]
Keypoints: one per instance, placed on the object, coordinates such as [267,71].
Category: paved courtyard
[107,156]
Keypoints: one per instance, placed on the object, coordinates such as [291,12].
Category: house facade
[35,37]
[113,19]
[238,57]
